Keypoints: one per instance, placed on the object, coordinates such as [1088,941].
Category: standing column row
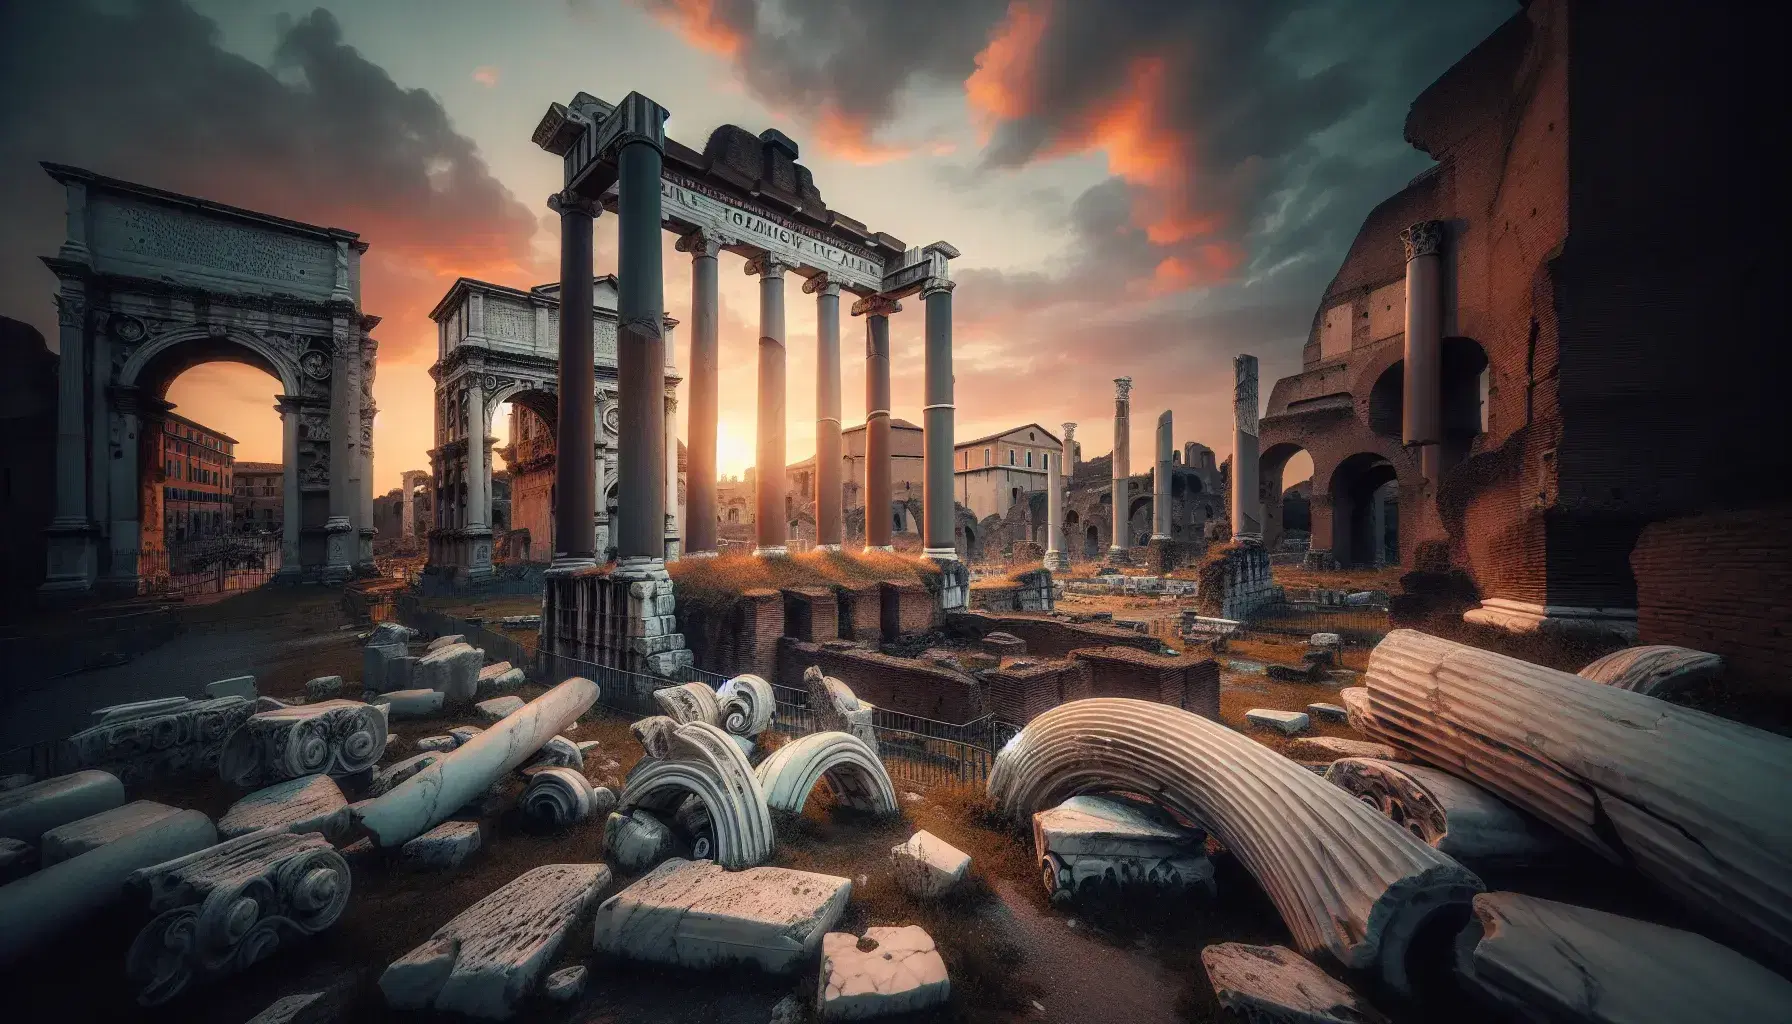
[829,524]
[576,420]
[770,530]
[876,310]
[1122,469]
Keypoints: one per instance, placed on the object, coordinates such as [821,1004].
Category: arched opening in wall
[1073,532]
[1281,468]
[524,447]
[1365,511]
[1138,520]
[733,515]
[1387,402]
[1465,383]
[1091,542]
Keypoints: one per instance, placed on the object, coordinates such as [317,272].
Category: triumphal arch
[153,283]
[495,345]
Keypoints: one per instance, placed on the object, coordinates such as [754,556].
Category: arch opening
[1387,402]
[1365,511]
[1285,480]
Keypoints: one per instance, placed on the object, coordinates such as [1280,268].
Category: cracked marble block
[637,840]
[490,957]
[391,633]
[387,667]
[890,970]
[498,678]
[395,773]
[498,707]
[453,669]
[444,641]
[1089,841]
[566,984]
[1328,712]
[927,866]
[695,914]
[310,804]
[445,847]
[1285,722]
[1274,985]
[323,687]
[92,832]
[29,811]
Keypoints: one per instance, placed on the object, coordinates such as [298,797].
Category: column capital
[288,403]
[821,284]
[1122,388]
[569,201]
[876,305]
[1069,430]
[935,285]
[704,243]
[1425,238]
[766,265]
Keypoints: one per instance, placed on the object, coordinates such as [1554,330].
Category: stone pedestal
[620,619]
[1569,620]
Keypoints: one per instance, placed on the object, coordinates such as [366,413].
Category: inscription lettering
[693,199]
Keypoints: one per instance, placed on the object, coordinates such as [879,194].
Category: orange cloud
[848,136]
[486,75]
[700,25]
[1002,86]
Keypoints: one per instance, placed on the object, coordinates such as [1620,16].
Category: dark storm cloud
[143,91]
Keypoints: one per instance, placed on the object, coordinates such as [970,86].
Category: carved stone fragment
[1692,800]
[691,702]
[488,959]
[412,807]
[637,840]
[927,866]
[445,847]
[853,771]
[1090,842]
[1346,880]
[332,737]
[310,804]
[412,703]
[223,909]
[1545,961]
[390,633]
[1331,748]
[452,669]
[559,797]
[699,758]
[235,686]
[558,752]
[186,740]
[29,811]
[1273,985]
[387,667]
[837,709]
[1655,670]
[92,832]
[1456,817]
[748,705]
[498,707]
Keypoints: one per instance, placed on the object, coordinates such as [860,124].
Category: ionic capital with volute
[766,265]
[569,201]
[876,305]
[821,284]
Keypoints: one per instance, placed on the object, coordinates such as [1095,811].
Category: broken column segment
[92,832]
[29,811]
[1451,815]
[1092,841]
[313,803]
[453,669]
[183,740]
[854,772]
[1655,670]
[1269,983]
[332,737]
[1247,503]
[429,797]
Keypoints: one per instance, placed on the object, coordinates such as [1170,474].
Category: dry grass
[1386,579]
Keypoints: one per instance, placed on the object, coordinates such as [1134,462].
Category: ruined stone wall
[1722,583]
[907,608]
[905,685]
[1048,637]
[1190,683]
[811,613]
[737,638]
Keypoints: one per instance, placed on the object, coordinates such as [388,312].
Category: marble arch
[151,283]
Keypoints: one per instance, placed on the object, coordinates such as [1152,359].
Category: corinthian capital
[569,201]
[1122,388]
[1426,238]
[876,305]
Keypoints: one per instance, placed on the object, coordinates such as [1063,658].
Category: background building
[196,472]
[993,473]
[257,497]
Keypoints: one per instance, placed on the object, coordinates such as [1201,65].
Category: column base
[1119,556]
[940,554]
[1160,536]
[639,568]
[1248,538]
[563,565]
[1057,561]
[772,551]
[701,554]
[827,547]
[1526,617]
[73,558]
[881,547]
[674,548]
[339,550]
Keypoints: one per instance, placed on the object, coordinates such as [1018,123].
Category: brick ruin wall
[1048,637]
[906,685]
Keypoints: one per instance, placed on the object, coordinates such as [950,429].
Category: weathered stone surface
[748,704]
[558,752]
[638,840]
[1285,722]
[1694,801]
[699,759]
[695,914]
[561,796]
[446,846]
[59,898]
[333,737]
[1457,817]
[566,984]
[222,909]
[323,687]
[498,678]
[853,770]
[321,1004]
[17,780]
[414,806]
[1331,748]
[488,959]
[387,667]
[1273,985]
[260,704]
[444,641]
[236,686]
[1546,961]
[890,970]
[1328,712]
[452,669]
[186,740]
[1655,670]
[837,709]
[927,866]
[17,858]
[310,804]
[92,832]
[437,744]
[140,709]
[412,703]
[1346,880]
[498,707]
[1356,708]
[395,773]
[1088,842]
[464,733]
[29,811]
[691,702]
[1325,641]
[390,633]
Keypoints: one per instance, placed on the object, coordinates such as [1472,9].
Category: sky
[1138,187]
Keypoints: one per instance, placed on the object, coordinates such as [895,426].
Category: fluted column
[478,523]
[640,356]
[1122,468]
[1054,513]
[938,415]
[1422,421]
[72,561]
[345,424]
[576,426]
[704,395]
[1160,480]
[770,528]
[829,495]
[125,495]
[876,310]
[1247,503]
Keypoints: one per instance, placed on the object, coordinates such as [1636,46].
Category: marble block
[1276,985]
[412,703]
[444,641]
[1328,712]
[463,734]
[488,959]
[92,832]
[695,914]
[1091,841]
[390,633]
[927,865]
[236,686]
[1325,641]
[1285,722]
[395,773]
[559,752]
[890,970]
[29,811]
[452,669]
[139,709]
[637,841]
[387,667]
[320,1004]
[323,686]
[446,846]
[566,984]
[498,707]
[313,803]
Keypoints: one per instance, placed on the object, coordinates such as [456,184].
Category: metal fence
[1362,624]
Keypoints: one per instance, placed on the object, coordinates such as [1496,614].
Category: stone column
[125,495]
[938,417]
[1160,490]
[1055,558]
[72,561]
[290,502]
[605,530]
[1122,469]
[1247,504]
[1069,453]
[876,310]
[640,361]
[407,526]
[345,422]
[574,525]
[770,528]
[1422,422]
[829,494]
[704,395]
[674,537]
[479,482]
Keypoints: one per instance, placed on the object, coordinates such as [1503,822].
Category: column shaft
[1422,422]
[71,408]
[1054,513]
[345,389]
[1122,469]
[125,495]
[829,525]
[937,423]
[1160,480]
[673,534]
[479,474]
[290,510]
[640,358]
[704,397]
[877,431]
[771,530]
[576,419]
[1247,502]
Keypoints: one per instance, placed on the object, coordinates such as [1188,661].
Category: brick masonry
[906,685]
[1048,637]
[907,608]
